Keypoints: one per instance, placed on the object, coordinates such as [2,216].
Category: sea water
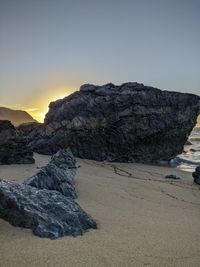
[190,158]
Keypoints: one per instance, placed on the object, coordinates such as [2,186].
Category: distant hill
[16,117]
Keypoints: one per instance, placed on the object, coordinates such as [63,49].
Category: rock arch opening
[189,159]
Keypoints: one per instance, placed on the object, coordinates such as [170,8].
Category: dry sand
[143,219]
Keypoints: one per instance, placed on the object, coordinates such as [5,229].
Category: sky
[48,48]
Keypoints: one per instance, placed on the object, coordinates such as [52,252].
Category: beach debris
[48,213]
[57,175]
[196,175]
[172,176]
[13,149]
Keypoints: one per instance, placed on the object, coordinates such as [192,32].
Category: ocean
[190,158]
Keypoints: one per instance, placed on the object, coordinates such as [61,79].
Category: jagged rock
[37,204]
[47,213]
[25,128]
[57,175]
[196,175]
[13,149]
[127,123]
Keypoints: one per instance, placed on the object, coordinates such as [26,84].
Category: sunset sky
[48,48]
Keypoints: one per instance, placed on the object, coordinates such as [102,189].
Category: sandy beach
[143,219]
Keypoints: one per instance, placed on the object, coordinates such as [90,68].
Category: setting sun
[40,116]
[44,100]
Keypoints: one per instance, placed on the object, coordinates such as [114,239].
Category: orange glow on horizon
[39,116]
[40,113]
[39,106]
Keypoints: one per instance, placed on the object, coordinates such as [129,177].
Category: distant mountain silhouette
[16,117]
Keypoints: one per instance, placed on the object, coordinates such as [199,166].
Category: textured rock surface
[57,175]
[128,123]
[47,213]
[196,175]
[25,128]
[13,149]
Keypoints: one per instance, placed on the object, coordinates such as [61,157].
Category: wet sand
[143,219]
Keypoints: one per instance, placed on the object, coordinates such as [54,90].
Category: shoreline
[143,219]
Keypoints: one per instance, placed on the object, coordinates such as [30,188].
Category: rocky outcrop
[57,175]
[7,130]
[16,117]
[127,123]
[47,213]
[25,128]
[13,149]
[196,175]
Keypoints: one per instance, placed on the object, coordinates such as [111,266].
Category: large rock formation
[57,175]
[13,149]
[127,123]
[16,117]
[47,213]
